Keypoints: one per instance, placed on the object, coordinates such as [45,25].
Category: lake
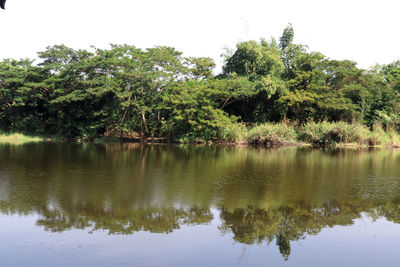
[73,204]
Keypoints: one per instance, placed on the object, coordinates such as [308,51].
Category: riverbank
[338,134]
[316,134]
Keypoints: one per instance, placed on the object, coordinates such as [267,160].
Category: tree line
[157,92]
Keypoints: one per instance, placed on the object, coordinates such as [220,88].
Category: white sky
[363,31]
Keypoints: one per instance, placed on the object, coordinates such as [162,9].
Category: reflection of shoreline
[248,226]
[4,185]
[277,195]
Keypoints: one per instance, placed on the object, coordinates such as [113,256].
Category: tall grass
[274,134]
[235,133]
[384,138]
[334,132]
[267,133]
[323,133]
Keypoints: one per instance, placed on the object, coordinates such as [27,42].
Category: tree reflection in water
[262,196]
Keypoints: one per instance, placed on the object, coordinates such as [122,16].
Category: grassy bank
[18,138]
[284,134]
[321,134]
[268,134]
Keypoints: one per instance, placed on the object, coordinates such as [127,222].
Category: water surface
[65,204]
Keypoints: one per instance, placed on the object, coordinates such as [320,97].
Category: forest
[269,92]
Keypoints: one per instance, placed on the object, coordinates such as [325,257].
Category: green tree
[257,66]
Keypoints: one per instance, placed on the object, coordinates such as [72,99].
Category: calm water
[131,205]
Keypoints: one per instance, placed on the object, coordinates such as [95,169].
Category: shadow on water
[262,195]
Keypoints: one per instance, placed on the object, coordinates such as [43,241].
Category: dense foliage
[157,92]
